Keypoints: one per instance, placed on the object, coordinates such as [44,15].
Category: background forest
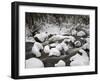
[61,23]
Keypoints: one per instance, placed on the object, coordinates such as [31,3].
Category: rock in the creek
[34,63]
[60,63]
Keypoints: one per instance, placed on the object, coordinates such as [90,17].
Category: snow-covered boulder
[72,38]
[57,38]
[34,63]
[30,39]
[36,49]
[81,33]
[77,43]
[78,60]
[41,36]
[67,40]
[87,44]
[46,49]
[55,52]
[87,40]
[74,32]
[61,63]
[53,44]
[59,47]
[64,46]
[61,37]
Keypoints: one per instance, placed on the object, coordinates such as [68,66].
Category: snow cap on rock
[41,36]
[55,52]
[60,63]
[47,49]
[36,49]
[34,63]
[81,33]
[74,32]
[79,60]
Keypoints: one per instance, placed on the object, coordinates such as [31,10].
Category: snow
[74,32]
[55,52]
[57,38]
[54,44]
[64,46]
[72,38]
[48,28]
[36,49]
[77,43]
[47,49]
[55,29]
[34,63]
[41,36]
[87,44]
[69,39]
[59,47]
[28,35]
[81,33]
[61,63]
[30,39]
[87,40]
[78,59]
